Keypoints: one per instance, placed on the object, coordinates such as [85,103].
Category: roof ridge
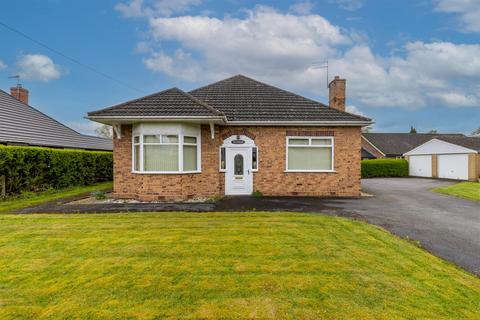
[320,104]
[210,108]
[130,101]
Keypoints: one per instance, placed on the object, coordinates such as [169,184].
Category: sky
[407,63]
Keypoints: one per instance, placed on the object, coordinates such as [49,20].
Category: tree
[433,132]
[413,130]
[105,131]
[476,133]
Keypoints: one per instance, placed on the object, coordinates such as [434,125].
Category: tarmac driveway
[446,226]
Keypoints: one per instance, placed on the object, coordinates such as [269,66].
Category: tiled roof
[168,103]
[245,99]
[467,142]
[396,144]
[25,125]
[239,98]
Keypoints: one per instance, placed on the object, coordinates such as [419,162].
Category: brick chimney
[19,93]
[336,94]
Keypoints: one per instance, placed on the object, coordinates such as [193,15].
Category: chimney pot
[336,99]
[19,93]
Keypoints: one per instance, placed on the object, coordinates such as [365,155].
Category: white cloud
[468,12]
[302,8]
[154,8]
[2,65]
[38,67]
[84,127]
[353,109]
[350,5]
[283,49]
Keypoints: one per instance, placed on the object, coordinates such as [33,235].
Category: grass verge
[222,266]
[31,199]
[465,190]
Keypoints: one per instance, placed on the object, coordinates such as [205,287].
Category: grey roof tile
[239,98]
[467,142]
[23,124]
[396,144]
[167,103]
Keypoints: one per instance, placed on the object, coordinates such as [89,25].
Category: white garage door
[453,166]
[420,166]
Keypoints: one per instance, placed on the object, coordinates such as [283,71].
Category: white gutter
[223,120]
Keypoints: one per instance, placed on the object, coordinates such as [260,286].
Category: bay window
[177,152]
[310,154]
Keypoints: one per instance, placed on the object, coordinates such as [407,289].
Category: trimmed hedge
[384,168]
[37,169]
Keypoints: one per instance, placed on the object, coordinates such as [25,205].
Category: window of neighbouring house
[310,154]
[165,152]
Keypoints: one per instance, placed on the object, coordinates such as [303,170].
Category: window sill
[165,172]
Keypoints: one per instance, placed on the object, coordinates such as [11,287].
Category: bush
[384,168]
[33,169]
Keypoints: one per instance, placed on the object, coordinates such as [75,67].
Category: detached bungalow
[234,137]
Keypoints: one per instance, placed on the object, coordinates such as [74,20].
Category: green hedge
[36,169]
[384,168]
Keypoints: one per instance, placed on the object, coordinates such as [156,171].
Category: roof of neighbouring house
[25,125]
[396,144]
[237,99]
[467,142]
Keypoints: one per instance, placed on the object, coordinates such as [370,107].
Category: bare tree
[105,131]
[476,133]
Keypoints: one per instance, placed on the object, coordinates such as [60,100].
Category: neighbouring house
[234,137]
[455,158]
[394,145]
[21,124]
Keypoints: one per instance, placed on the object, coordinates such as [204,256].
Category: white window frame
[227,144]
[332,146]
[180,134]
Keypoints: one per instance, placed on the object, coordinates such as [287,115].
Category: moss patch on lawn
[465,190]
[222,266]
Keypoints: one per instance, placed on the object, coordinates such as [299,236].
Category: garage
[420,166]
[453,166]
[455,158]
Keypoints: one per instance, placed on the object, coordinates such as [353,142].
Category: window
[310,154]
[223,156]
[238,165]
[254,158]
[165,153]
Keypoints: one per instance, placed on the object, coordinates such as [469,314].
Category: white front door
[238,175]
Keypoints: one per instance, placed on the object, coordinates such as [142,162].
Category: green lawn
[466,190]
[31,199]
[222,266]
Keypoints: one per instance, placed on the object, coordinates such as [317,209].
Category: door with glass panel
[238,175]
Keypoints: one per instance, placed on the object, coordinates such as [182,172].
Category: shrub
[384,168]
[33,169]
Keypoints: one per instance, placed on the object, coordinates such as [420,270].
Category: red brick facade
[271,178]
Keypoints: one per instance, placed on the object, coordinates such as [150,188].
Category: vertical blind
[161,153]
[310,154]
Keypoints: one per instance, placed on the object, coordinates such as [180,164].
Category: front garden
[222,265]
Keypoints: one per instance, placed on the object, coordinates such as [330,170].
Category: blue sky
[406,62]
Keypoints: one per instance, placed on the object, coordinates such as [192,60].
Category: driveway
[446,226]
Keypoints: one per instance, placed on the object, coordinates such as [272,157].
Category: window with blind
[165,153]
[310,154]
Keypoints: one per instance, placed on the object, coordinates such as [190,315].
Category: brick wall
[271,178]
